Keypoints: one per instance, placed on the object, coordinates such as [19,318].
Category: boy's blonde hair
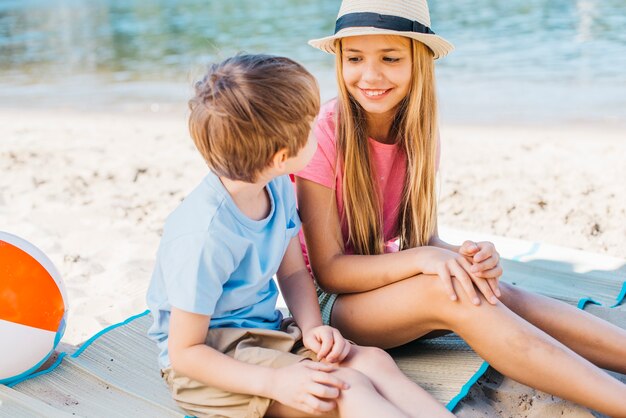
[249,107]
[415,127]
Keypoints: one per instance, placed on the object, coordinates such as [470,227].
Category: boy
[225,349]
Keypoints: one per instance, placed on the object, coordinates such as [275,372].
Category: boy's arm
[296,285]
[306,386]
[189,355]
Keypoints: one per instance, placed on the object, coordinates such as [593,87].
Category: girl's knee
[512,295]
[463,311]
[354,378]
[370,359]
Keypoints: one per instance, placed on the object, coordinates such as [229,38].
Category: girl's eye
[391,59]
[353,59]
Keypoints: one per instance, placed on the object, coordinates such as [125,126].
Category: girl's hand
[328,343]
[447,264]
[485,262]
[307,386]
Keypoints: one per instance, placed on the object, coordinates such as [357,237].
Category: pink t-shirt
[389,164]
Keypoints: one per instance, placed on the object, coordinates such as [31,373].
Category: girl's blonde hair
[415,126]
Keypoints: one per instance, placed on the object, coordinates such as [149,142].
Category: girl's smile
[375,94]
[377,71]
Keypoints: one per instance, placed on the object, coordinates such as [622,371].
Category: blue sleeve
[288,196]
[195,268]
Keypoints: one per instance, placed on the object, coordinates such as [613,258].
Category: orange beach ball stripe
[28,294]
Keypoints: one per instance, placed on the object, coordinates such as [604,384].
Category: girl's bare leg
[360,400]
[600,342]
[406,310]
[392,384]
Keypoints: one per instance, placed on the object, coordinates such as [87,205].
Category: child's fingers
[327,344]
[316,406]
[487,250]
[468,248]
[481,284]
[321,367]
[338,346]
[345,352]
[493,273]
[323,391]
[312,343]
[444,276]
[487,264]
[493,283]
[329,379]
[463,278]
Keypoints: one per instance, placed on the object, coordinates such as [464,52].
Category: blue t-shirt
[214,260]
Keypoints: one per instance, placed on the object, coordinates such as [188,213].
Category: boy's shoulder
[205,210]
[283,186]
[198,210]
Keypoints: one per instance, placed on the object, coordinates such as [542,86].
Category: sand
[92,190]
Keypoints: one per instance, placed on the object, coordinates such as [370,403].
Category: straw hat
[408,18]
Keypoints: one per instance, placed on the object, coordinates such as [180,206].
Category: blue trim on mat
[107,329]
[533,249]
[24,375]
[467,386]
[585,301]
[30,376]
[621,296]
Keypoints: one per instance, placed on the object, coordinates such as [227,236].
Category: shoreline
[462,101]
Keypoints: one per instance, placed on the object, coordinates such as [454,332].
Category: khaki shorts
[250,345]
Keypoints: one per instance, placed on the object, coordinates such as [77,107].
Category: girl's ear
[279,159]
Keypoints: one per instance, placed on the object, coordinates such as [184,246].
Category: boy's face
[300,160]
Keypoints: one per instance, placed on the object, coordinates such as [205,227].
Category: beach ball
[33,308]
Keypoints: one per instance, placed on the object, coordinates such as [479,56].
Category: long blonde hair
[415,126]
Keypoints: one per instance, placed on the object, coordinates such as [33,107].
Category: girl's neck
[379,127]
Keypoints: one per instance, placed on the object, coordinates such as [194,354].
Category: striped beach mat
[115,373]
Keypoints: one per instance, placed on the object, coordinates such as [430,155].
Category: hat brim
[436,43]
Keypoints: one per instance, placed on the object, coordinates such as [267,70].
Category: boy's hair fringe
[415,125]
[247,108]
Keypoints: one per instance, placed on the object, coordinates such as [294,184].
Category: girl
[371,183]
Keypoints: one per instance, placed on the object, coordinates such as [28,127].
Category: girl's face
[377,70]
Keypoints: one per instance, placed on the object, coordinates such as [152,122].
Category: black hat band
[389,22]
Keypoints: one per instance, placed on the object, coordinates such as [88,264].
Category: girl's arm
[482,255]
[438,242]
[340,273]
[296,285]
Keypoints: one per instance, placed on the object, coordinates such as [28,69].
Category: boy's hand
[485,262]
[307,386]
[328,343]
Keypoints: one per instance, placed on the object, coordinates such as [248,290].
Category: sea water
[531,61]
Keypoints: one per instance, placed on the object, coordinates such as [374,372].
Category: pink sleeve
[321,168]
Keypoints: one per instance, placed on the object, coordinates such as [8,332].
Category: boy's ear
[279,159]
